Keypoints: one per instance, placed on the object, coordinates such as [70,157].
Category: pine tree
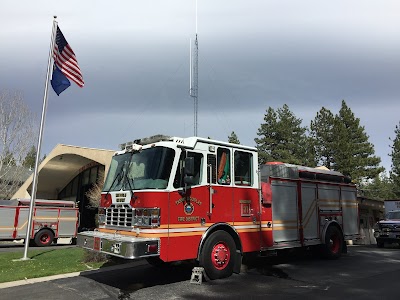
[380,187]
[233,138]
[30,158]
[395,171]
[8,160]
[282,138]
[353,154]
[323,136]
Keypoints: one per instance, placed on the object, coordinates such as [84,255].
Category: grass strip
[44,263]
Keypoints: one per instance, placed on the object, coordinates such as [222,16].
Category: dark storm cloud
[134,56]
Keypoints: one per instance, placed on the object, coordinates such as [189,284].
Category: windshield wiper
[119,175]
[128,180]
[130,187]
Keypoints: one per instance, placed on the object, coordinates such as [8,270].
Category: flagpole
[39,144]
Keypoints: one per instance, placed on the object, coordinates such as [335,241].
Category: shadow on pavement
[142,276]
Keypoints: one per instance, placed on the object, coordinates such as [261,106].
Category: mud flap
[238,262]
[344,247]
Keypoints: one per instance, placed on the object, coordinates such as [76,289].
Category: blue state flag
[59,81]
[66,66]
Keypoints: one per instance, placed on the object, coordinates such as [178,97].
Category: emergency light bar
[144,141]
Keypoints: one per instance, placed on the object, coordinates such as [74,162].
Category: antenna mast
[193,91]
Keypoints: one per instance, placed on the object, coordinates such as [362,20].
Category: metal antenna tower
[194,87]
[194,70]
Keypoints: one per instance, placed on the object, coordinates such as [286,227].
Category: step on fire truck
[52,220]
[170,199]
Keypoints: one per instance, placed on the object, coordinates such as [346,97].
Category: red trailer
[52,220]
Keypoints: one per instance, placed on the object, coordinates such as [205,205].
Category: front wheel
[380,244]
[44,238]
[333,243]
[217,255]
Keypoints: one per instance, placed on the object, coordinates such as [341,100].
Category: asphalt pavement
[365,272]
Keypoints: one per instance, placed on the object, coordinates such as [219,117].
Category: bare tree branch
[18,132]
[94,193]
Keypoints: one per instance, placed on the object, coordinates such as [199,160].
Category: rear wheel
[333,243]
[217,255]
[44,238]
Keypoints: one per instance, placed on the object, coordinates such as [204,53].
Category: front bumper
[119,245]
[387,236]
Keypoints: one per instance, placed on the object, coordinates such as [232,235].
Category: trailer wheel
[217,255]
[43,238]
[333,243]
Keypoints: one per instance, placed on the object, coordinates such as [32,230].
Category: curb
[5,285]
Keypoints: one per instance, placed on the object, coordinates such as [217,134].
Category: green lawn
[45,263]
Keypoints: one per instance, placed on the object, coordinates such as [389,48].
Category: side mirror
[188,180]
[189,166]
[189,171]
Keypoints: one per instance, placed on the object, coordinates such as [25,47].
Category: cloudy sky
[253,54]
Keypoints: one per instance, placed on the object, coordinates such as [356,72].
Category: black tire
[380,244]
[332,249]
[217,255]
[43,238]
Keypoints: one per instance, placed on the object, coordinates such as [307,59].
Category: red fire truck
[170,199]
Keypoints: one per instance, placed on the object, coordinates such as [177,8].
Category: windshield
[393,215]
[148,169]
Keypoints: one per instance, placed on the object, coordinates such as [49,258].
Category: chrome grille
[390,227]
[119,215]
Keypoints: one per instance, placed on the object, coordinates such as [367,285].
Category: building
[371,211]
[67,173]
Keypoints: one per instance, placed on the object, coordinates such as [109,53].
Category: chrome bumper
[119,245]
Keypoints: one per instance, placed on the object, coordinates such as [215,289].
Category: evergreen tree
[395,171]
[353,154]
[321,131]
[282,138]
[233,138]
[30,158]
[381,187]
[9,160]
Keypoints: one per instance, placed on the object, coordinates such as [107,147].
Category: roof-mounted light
[130,146]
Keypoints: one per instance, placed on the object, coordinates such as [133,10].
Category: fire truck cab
[170,199]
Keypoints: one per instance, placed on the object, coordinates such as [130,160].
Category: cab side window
[242,168]
[198,162]
[211,166]
[223,166]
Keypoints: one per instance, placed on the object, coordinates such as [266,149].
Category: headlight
[146,217]
[376,226]
[101,215]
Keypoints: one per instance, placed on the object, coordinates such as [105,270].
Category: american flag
[65,59]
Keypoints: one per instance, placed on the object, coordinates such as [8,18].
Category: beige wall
[62,164]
